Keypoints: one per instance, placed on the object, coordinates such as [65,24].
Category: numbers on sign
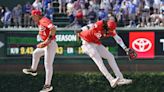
[59,50]
[80,51]
[22,50]
[26,50]
[29,50]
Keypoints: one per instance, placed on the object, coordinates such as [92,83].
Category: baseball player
[90,36]
[47,48]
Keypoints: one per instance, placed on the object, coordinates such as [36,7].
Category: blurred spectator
[111,16]
[95,6]
[37,5]
[102,15]
[49,11]
[162,2]
[151,2]
[124,9]
[7,18]
[137,2]
[2,11]
[92,16]
[142,13]
[116,11]
[132,10]
[85,9]
[153,17]
[120,19]
[147,3]
[156,4]
[145,15]
[17,16]
[27,13]
[161,18]
[78,13]
[105,4]
[77,5]
[158,19]
[79,20]
[45,4]
[62,4]
[116,8]
[82,4]
[112,2]
[70,11]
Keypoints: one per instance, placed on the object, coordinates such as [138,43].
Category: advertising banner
[159,43]
[23,43]
[147,44]
[143,43]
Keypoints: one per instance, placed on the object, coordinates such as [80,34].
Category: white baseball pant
[97,52]
[49,55]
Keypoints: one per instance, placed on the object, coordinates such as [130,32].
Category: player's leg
[48,63]
[90,49]
[38,52]
[111,60]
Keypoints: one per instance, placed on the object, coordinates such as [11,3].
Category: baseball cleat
[113,83]
[46,88]
[30,72]
[124,81]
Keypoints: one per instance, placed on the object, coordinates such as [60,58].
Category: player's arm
[130,52]
[119,41]
[87,27]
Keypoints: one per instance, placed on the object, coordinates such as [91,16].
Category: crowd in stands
[20,15]
[127,13]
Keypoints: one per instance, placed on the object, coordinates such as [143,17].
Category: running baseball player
[47,48]
[91,45]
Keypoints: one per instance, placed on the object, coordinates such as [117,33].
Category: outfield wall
[17,46]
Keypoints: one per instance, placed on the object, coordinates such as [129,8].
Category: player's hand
[42,45]
[131,53]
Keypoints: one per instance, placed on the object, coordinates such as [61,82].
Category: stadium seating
[59,19]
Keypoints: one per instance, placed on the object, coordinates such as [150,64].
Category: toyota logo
[141,44]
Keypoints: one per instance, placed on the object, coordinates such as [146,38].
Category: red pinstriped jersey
[94,34]
[45,25]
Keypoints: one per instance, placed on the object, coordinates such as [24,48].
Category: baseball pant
[97,52]
[49,55]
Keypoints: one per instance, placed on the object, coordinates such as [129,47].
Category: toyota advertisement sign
[143,43]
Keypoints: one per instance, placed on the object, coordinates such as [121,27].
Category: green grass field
[81,82]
